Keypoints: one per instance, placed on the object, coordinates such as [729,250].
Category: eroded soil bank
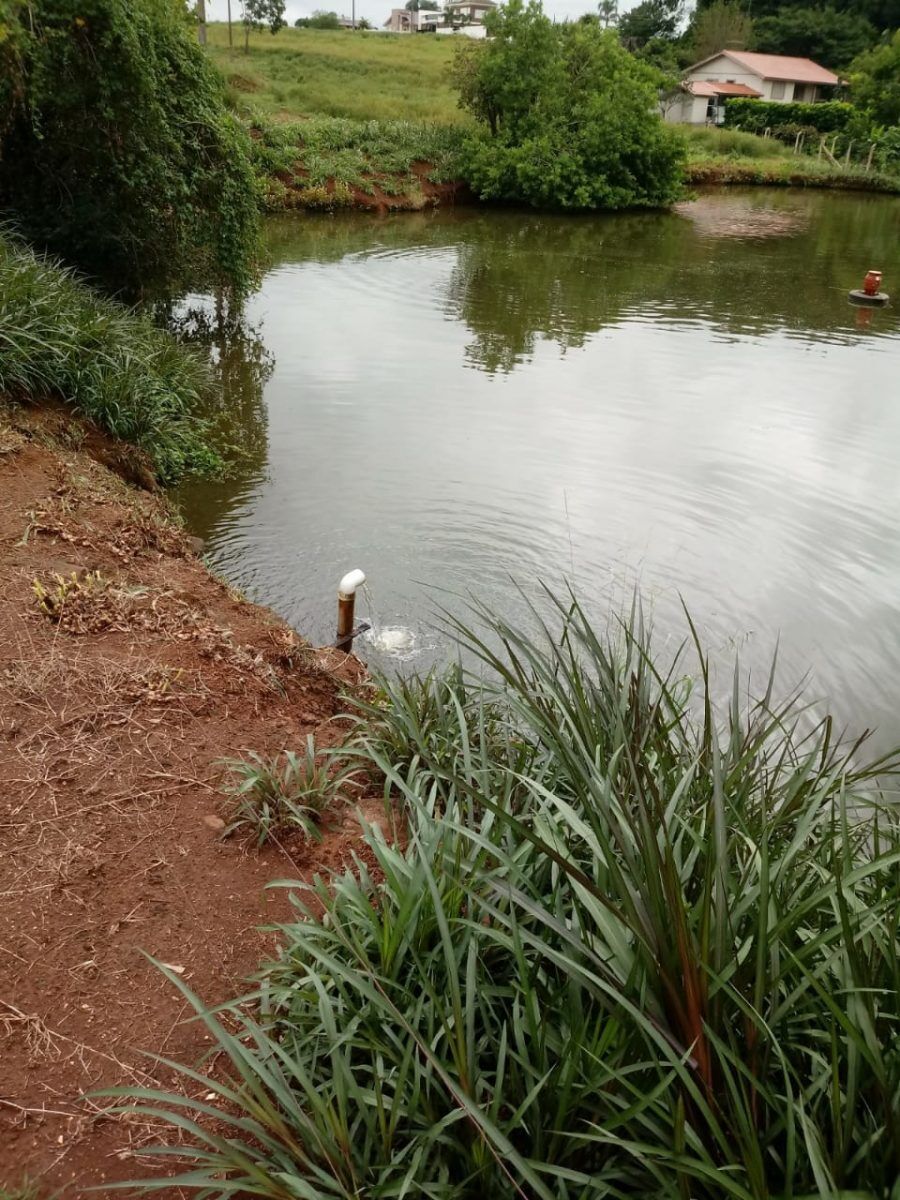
[121,690]
[384,193]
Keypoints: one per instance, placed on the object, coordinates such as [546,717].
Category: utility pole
[201,19]
[353,13]
[230,36]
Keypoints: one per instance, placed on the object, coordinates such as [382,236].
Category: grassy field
[368,76]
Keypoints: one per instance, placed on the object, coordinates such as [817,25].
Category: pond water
[686,401]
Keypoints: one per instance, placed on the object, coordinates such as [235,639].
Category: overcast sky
[377,11]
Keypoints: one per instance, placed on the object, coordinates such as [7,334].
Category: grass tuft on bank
[113,367]
[629,942]
[332,162]
[730,156]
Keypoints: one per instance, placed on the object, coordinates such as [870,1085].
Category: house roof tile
[777,66]
[702,87]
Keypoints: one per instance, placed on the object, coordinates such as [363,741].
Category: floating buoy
[870,293]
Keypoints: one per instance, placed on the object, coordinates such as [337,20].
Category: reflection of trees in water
[752,261]
[241,364]
[757,263]
[556,279]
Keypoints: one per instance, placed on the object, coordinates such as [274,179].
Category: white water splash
[394,640]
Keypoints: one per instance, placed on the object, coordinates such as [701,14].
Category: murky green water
[685,400]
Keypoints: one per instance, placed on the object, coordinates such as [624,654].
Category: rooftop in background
[702,87]
[776,66]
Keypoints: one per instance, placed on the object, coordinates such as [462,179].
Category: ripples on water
[685,400]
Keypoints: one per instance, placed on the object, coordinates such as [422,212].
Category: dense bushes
[116,147]
[755,116]
[568,116]
[622,949]
[875,82]
[57,338]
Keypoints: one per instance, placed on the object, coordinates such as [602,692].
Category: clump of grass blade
[284,794]
[113,367]
[631,942]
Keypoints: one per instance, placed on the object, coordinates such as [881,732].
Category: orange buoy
[870,293]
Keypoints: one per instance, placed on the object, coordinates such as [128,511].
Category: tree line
[834,33]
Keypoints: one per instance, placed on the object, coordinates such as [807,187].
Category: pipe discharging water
[347,589]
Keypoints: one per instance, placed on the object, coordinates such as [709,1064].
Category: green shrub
[119,153]
[875,81]
[887,148]
[568,117]
[755,116]
[58,338]
[629,944]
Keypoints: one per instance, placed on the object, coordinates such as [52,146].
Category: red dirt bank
[115,709]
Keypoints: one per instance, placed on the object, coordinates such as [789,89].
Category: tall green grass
[113,367]
[704,141]
[622,943]
[316,72]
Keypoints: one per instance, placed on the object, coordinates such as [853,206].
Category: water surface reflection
[683,399]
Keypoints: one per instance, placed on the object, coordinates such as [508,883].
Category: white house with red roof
[708,84]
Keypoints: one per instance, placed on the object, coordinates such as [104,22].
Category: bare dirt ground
[121,690]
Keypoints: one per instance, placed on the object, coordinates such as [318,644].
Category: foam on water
[393,640]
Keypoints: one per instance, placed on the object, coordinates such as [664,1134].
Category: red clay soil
[417,192]
[119,696]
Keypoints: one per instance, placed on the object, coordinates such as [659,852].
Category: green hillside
[307,72]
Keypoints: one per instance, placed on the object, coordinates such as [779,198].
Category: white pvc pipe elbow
[351,581]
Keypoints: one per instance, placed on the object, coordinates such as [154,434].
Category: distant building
[402,20]
[467,12]
[459,16]
[708,84]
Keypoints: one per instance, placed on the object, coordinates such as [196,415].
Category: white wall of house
[471,31]
[688,110]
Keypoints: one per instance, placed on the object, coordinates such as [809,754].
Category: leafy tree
[362,23]
[875,82]
[568,116]
[261,13]
[722,24]
[119,152]
[422,6]
[666,56]
[649,19]
[609,12]
[324,20]
[827,35]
